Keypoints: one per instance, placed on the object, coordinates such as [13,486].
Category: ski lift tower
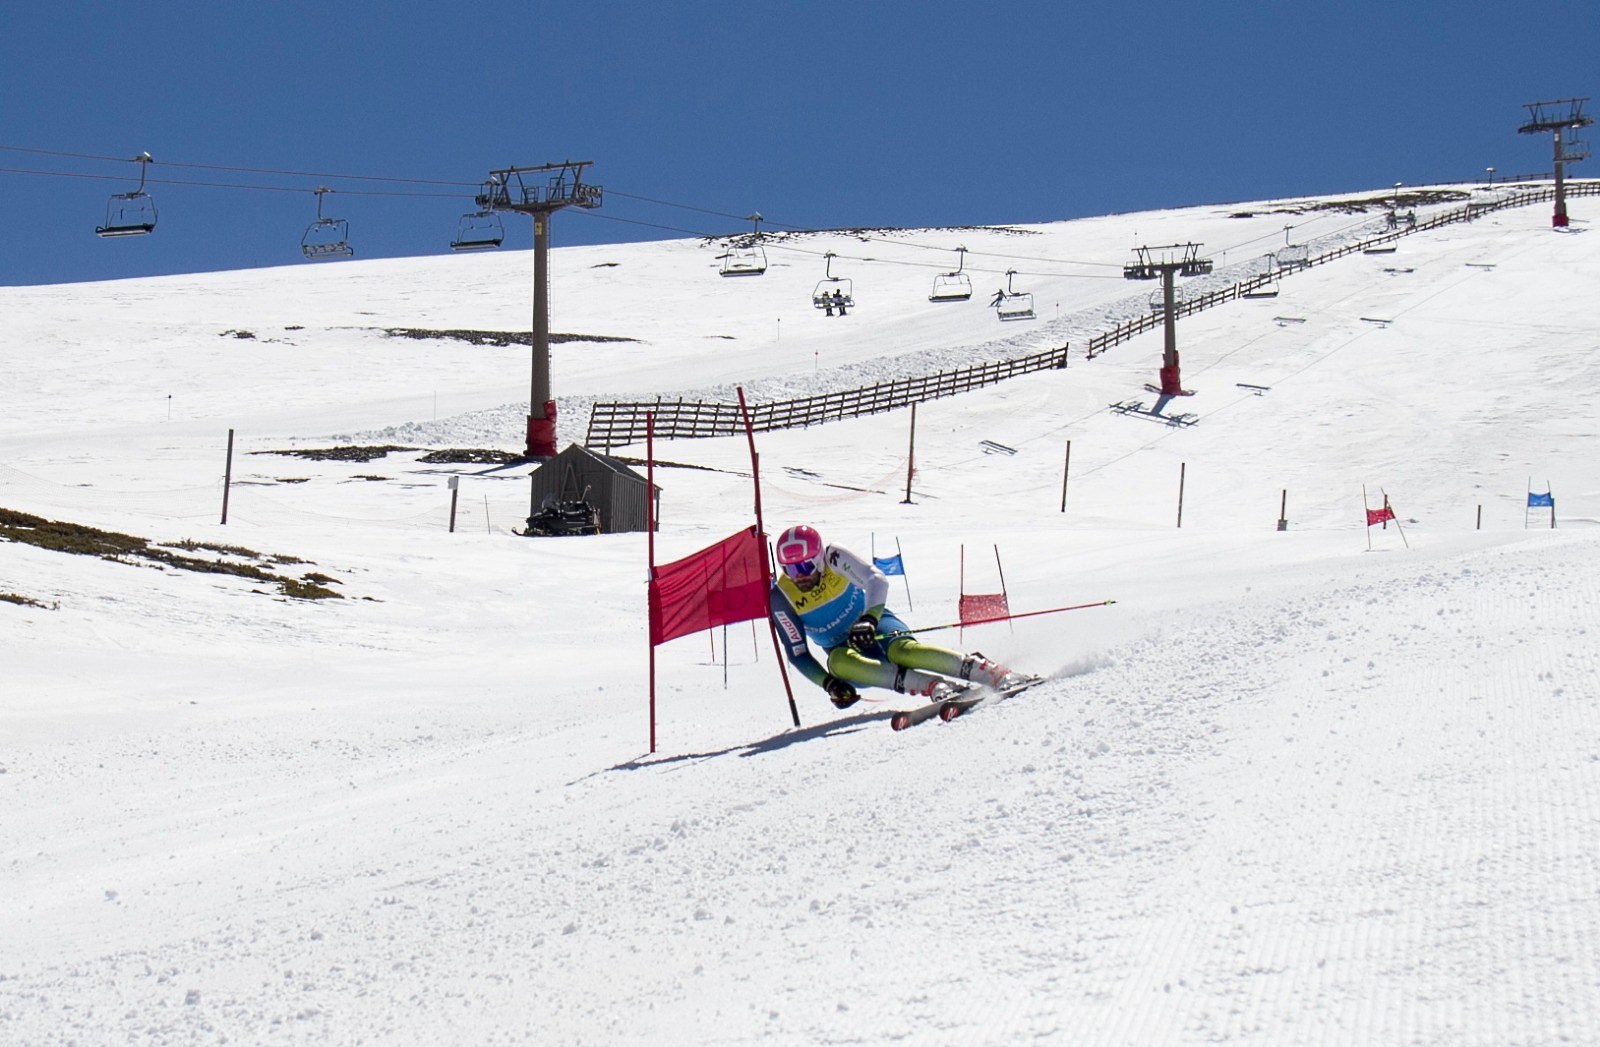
[1165,263]
[1556,117]
[509,190]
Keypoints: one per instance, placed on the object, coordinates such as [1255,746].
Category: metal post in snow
[1182,468]
[1283,511]
[227,478]
[911,455]
[1066,469]
[455,493]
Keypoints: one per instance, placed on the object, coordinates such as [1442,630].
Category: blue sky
[816,115]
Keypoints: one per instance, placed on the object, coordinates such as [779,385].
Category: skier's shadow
[776,743]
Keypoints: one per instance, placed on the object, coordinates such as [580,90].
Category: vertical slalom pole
[650,546]
[1364,515]
[1396,519]
[766,567]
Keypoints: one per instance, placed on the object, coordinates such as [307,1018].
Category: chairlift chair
[1292,256]
[1269,288]
[952,287]
[477,231]
[747,257]
[326,237]
[835,290]
[744,260]
[130,214]
[1012,304]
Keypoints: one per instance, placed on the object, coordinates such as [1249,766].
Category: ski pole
[1009,617]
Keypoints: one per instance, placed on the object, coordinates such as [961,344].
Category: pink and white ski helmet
[799,544]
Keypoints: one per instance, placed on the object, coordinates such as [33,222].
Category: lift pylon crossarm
[508,190]
[1554,116]
[1152,262]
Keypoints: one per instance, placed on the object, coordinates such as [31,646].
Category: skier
[830,595]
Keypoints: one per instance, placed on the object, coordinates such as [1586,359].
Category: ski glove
[863,636]
[842,694]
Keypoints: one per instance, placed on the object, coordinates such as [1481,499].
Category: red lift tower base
[542,433]
[1171,384]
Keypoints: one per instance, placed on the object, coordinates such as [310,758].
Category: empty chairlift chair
[1265,284]
[478,231]
[952,287]
[1011,304]
[482,229]
[1292,256]
[833,290]
[746,257]
[326,237]
[130,214]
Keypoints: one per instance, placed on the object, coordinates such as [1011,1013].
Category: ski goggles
[803,569]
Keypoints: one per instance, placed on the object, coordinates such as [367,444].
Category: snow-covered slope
[1286,790]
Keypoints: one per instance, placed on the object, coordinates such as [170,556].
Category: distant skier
[999,296]
[830,595]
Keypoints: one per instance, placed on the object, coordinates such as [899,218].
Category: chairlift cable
[226,185]
[242,170]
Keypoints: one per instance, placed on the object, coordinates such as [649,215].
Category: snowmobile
[573,516]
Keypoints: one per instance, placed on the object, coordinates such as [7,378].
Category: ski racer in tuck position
[829,595]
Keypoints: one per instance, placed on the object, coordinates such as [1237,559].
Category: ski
[911,717]
[949,708]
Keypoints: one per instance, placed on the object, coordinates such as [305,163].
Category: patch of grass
[67,537]
[340,454]
[305,589]
[498,339]
[189,545]
[82,540]
[468,456]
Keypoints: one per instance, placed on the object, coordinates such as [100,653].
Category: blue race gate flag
[889,564]
[1547,499]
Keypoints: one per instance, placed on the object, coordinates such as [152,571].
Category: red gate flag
[720,584]
[1377,516]
[978,607]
